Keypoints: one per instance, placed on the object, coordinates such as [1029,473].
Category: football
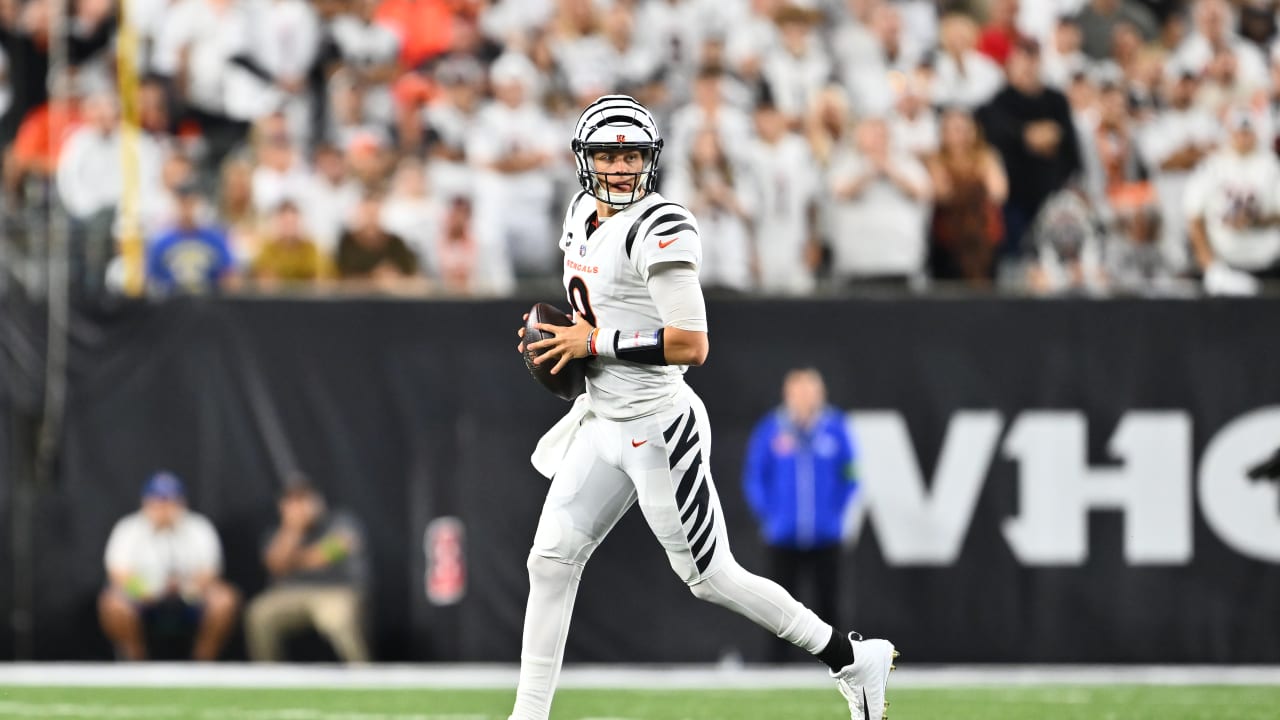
[571,381]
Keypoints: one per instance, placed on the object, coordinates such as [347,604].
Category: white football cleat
[865,682]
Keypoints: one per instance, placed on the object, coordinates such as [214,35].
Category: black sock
[838,653]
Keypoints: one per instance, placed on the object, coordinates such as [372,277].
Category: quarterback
[640,434]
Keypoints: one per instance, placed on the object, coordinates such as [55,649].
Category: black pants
[813,578]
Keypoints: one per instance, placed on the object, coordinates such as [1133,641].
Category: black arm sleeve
[646,347]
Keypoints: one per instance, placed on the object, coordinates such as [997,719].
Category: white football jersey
[606,271]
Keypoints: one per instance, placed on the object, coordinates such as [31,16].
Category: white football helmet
[616,122]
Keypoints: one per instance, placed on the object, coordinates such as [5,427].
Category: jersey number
[580,299]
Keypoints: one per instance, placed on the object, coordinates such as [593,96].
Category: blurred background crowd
[422,146]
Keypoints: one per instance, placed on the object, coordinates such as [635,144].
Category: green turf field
[1060,703]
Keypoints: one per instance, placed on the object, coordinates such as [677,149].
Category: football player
[639,433]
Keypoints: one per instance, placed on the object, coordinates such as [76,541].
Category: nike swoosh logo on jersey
[638,444]
[663,245]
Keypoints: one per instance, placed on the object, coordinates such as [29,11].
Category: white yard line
[131,712]
[81,710]
[642,677]
[311,714]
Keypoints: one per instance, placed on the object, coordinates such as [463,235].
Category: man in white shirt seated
[1232,205]
[163,569]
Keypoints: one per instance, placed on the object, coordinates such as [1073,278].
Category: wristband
[604,342]
[333,549]
[135,588]
[600,342]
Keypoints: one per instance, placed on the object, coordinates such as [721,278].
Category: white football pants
[663,461]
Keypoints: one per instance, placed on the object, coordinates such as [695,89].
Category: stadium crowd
[421,146]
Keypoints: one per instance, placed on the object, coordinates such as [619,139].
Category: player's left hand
[569,343]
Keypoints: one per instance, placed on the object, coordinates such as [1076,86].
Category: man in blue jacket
[800,477]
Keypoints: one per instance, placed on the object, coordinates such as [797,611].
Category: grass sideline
[1120,702]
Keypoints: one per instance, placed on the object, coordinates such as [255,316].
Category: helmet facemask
[595,181]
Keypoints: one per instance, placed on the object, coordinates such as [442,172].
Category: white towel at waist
[555,443]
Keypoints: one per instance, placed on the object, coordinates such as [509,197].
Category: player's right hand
[520,334]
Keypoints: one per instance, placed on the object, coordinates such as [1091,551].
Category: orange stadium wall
[1044,481]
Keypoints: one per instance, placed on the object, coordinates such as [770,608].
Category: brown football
[571,381]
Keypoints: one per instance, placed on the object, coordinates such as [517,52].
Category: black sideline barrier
[1044,481]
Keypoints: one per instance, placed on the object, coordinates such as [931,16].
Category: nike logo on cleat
[638,444]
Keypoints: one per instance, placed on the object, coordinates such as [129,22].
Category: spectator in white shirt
[412,213]
[1176,140]
[270,73]
[963,76]
[797,68]
[328,198]
[575,22]
[613,59]
[913,124]
[1232,203]
[1037,18]
[1062,57]
[632,60]
[510,147]
[707,183]
[1213,34]
[882,197]
[447,119]
[851,19]
[164,562]
[1224,84]
[867,55]
[370,52]
[709,109]
[90,178]
[194,50]
[750,37]
[511,22]
[920,25]
[280,173]
[195,47]
[348,117]
[91,184]
[781,172]
[732,89]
